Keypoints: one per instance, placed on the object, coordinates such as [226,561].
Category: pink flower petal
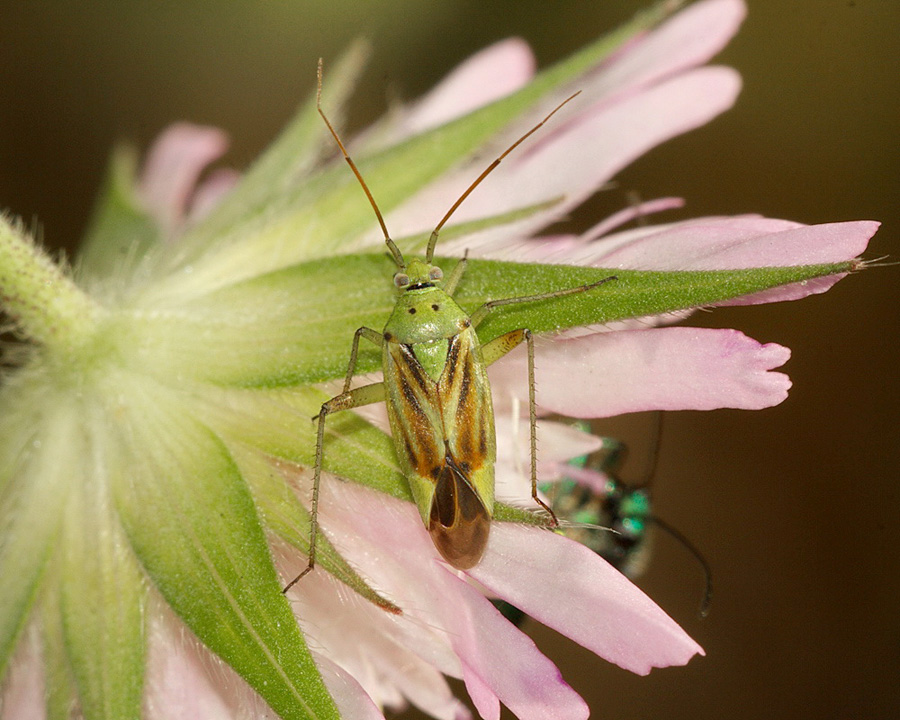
[640,210]
[210,192]
[575,158]
[599,608]
[172,167]
[506,660]
[592,140]
[23,690]
[497,661]
[376,649]
[559,442]
[486,76]
[678,368]
[351,700]
[725,243]
[185,681]
[688,39]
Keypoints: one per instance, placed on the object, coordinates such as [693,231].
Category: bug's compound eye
[401,280]
[435,274]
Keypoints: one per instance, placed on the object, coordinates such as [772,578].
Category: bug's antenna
[432,241]
[650,471]
[391,245]
[698,556]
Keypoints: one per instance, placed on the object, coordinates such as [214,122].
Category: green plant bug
[436,389]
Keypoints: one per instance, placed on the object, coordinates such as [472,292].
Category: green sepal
[633,294]
[282,513]
[328,213]
[192,522]
[32,502]
[120,231]
[270,183]
[60,691]
[101,600]
[295,326]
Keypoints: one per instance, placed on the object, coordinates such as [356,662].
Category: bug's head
[418,274]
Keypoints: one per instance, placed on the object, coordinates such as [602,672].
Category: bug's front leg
[365,395]
[369,334]
[496,349]
[456,274]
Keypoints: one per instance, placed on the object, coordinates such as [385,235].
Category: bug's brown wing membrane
[460,523]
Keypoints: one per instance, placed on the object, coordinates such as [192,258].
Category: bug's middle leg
[496,349]
[365,395]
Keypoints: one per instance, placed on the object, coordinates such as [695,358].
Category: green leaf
[296,326]
[192,523]
[102,597]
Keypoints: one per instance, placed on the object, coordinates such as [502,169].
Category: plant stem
[45,304]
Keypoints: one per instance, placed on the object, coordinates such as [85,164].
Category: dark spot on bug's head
[388,336]
[435,307]
[412,311]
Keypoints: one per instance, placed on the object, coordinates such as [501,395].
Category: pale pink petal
[509,663]
[23,689]
[351,700]
[678,368]
[633,212]
[612,123]
[184,681]
[557,443]
[727,243]
[486,76]
[575,158]
[599,608]
[210,192]
[172,167]
[571,158]
[690,38]
[373,647]
[496,659]
[594,480]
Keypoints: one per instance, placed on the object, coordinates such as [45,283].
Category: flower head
[156,445]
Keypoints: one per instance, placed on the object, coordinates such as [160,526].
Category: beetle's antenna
[432,241]
[650,471]
[698,556]
[391,245]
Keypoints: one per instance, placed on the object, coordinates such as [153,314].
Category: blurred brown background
[794,507]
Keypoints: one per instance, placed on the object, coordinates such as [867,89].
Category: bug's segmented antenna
[432,241]
[391,245]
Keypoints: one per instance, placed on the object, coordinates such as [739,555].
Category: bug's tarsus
[314,505]
[432,241]
[391,245]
